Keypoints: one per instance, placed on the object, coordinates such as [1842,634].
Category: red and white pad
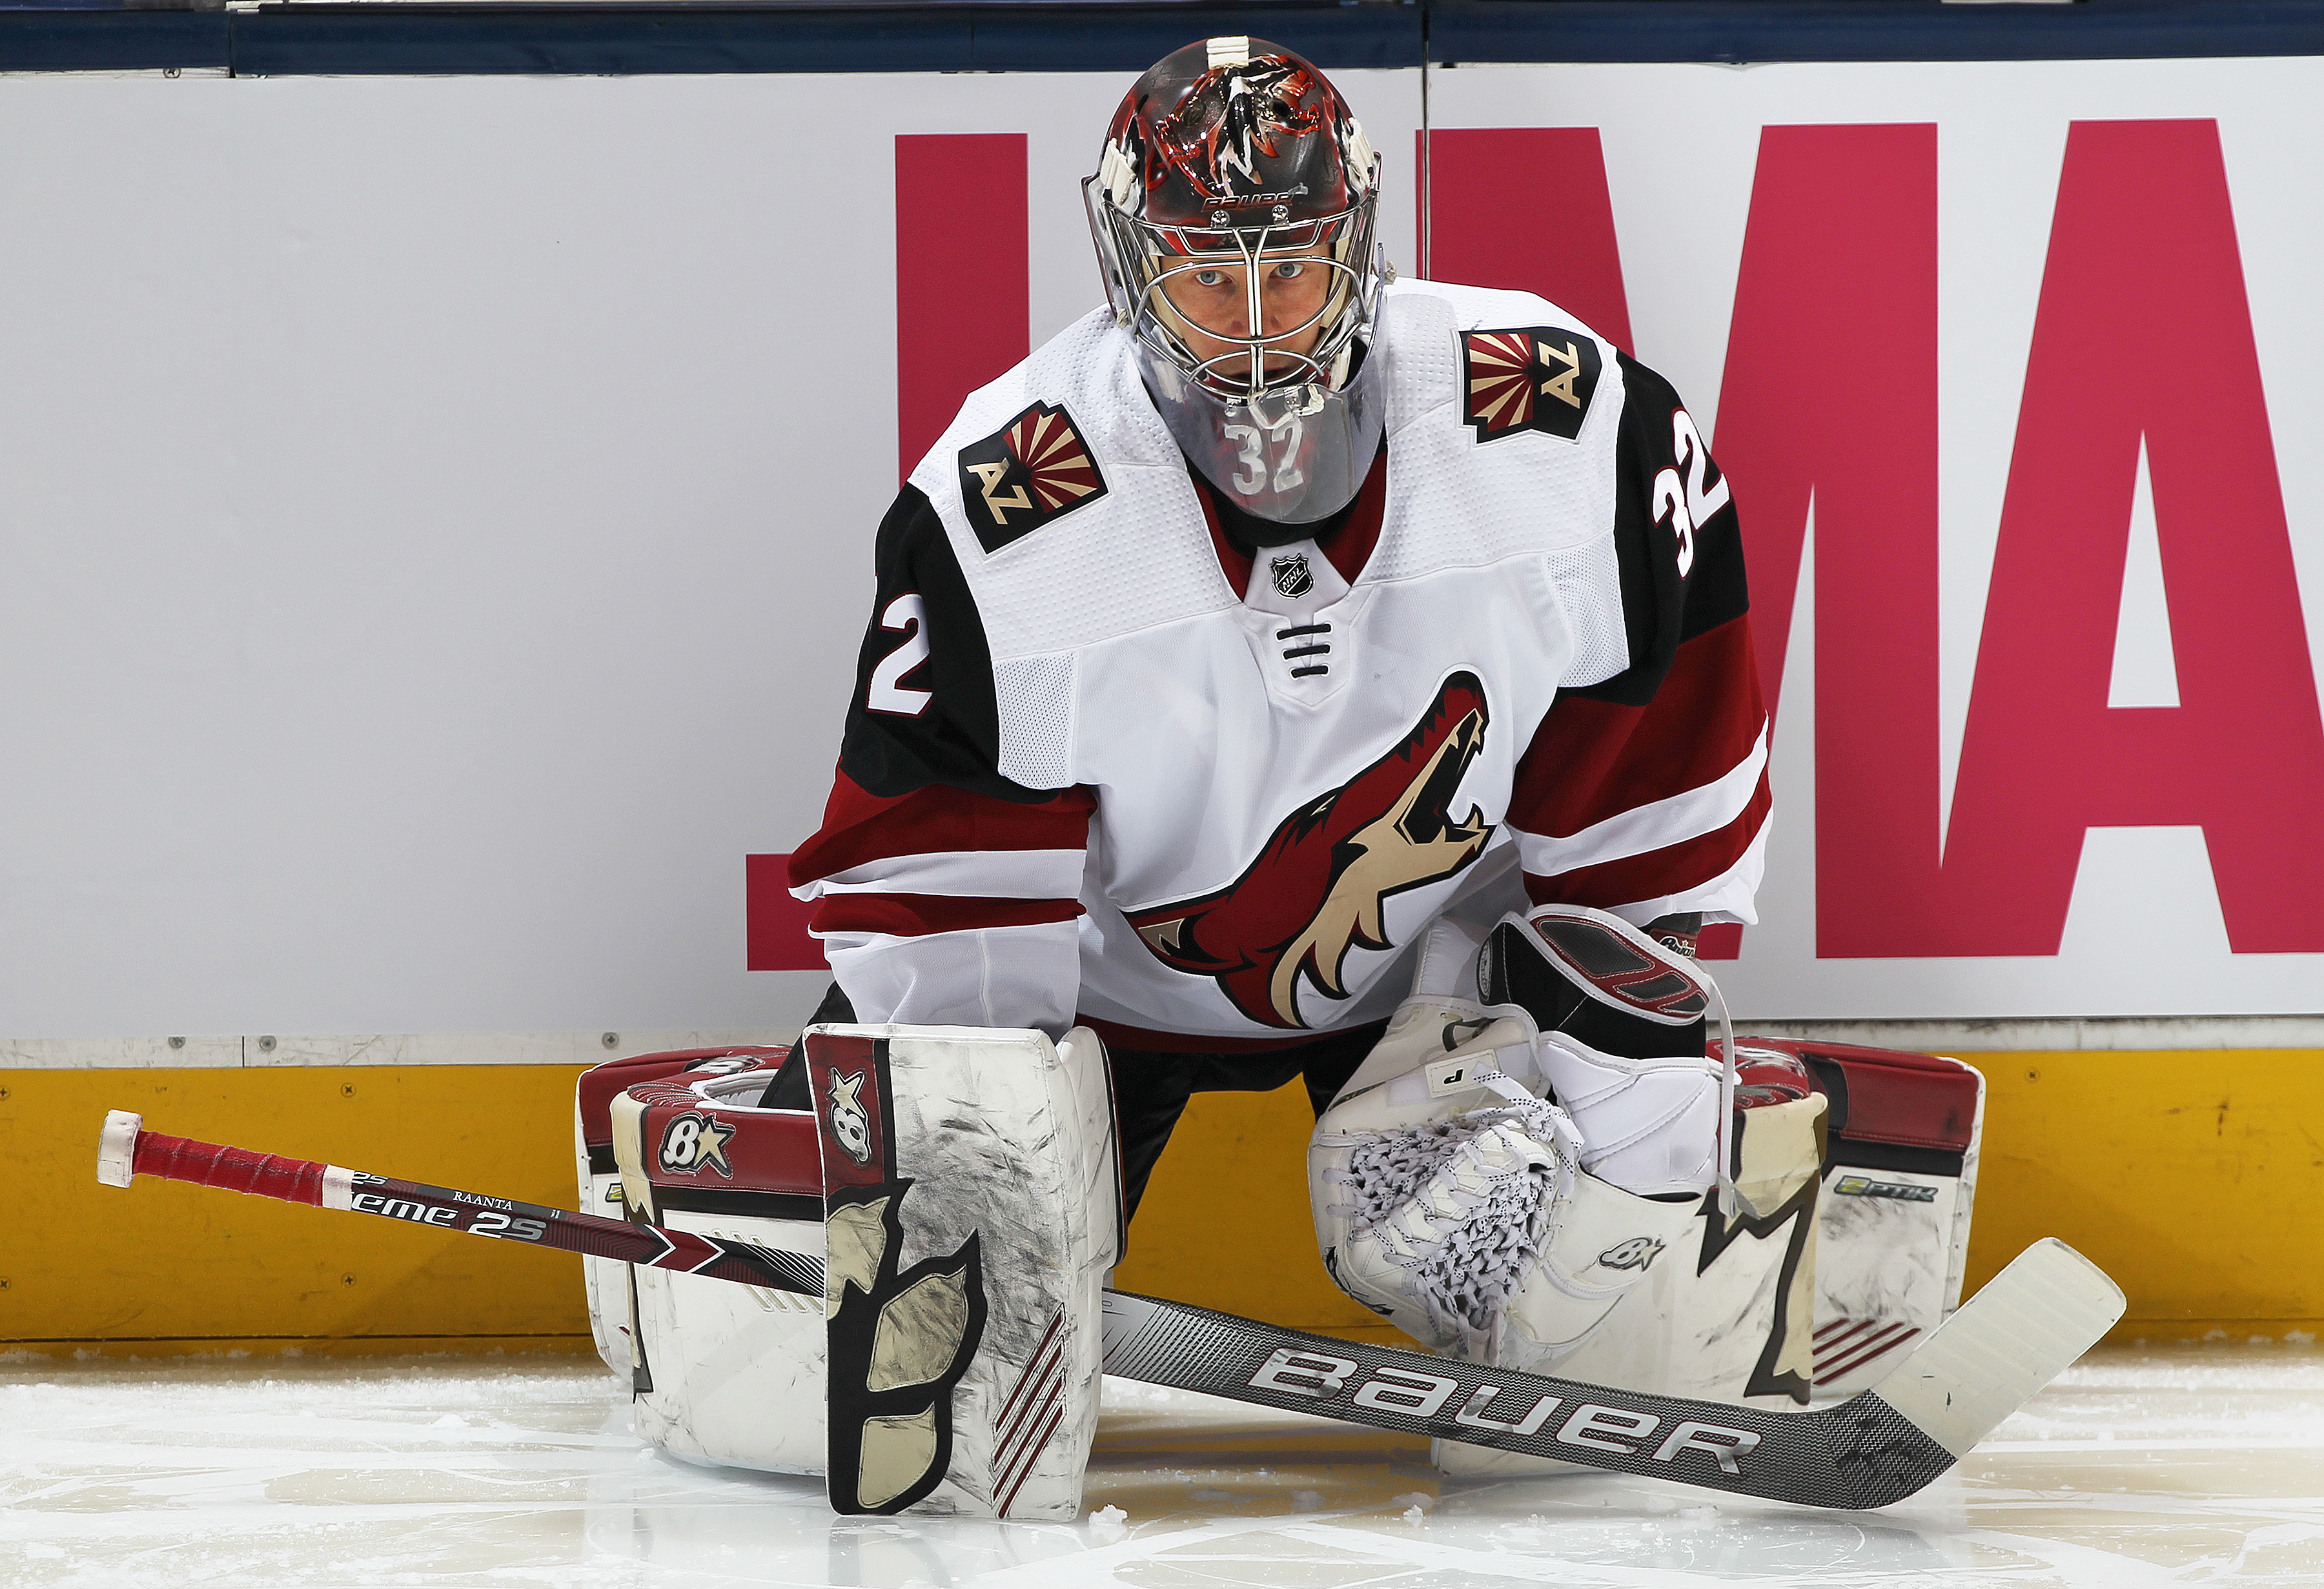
[973,1211]
[611,1289]
[1899,1184]
[719,1372]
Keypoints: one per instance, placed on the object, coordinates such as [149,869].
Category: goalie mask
[1233,210]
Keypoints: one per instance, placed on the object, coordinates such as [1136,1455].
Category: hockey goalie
[1287,671]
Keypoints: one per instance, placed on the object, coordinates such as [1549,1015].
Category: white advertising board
[435,517]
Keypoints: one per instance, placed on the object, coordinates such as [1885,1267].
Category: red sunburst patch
[1051,450]
[1538,378]
[1035,469]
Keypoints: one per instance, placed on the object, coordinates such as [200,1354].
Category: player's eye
[1291,269]
[1210,278]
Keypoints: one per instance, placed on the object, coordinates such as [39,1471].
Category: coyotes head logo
[1316,889]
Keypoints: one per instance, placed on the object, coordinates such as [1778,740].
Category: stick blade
[117,1146]
[2027,1326]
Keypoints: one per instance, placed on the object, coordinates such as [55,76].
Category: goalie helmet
[1234,161]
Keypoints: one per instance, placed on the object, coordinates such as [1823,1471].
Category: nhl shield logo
[1537,378]
[1291,575]
[1032,470]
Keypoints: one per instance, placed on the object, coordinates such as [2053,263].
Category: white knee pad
[719,1372]
[610,1284]
[974,1212]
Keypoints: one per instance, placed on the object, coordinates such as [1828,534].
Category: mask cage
[1137,256]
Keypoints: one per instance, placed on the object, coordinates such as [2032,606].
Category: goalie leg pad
[607,1282]
[722,1372]
[1899,1187]
[739,1375]
[973,1214]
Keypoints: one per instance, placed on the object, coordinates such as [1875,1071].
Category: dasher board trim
[268,1051]
[268,38]
[2055,1034]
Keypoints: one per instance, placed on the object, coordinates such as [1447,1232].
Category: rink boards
[2186,1175]
[440,514]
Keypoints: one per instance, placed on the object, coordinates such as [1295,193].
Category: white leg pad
[720,1372]
[973,1214]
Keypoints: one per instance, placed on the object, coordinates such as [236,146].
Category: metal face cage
[1139,256]
[1289,435]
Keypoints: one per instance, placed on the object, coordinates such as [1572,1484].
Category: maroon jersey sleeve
[1646,793]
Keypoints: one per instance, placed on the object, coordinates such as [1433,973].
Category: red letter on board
[962,309]
[1527,207]
[2143,330]
[1829,403]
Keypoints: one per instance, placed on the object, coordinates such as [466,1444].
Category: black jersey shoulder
[1674,588]
[954,737]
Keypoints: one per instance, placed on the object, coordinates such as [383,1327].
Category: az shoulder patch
[1033,470]
[1535,378]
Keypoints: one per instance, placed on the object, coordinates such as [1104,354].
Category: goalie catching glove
[1498,1174]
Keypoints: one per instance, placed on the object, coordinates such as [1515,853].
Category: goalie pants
[1152,1087]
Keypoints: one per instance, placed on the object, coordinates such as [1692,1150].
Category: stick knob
[117,1146]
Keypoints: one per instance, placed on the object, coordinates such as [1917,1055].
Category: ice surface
[2188,1466]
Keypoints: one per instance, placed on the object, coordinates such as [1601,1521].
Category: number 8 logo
[691,1141]
[679,1141]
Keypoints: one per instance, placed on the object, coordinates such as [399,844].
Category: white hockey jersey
[1105,761]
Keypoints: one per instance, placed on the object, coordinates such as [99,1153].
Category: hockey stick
[127,1149]
[2029,1322]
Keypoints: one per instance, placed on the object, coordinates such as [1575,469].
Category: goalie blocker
[960,1187]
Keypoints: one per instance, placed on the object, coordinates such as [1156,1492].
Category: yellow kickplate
[2189,1177]
[160,1262]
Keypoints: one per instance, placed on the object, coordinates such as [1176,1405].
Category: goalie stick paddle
[2028,1324]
